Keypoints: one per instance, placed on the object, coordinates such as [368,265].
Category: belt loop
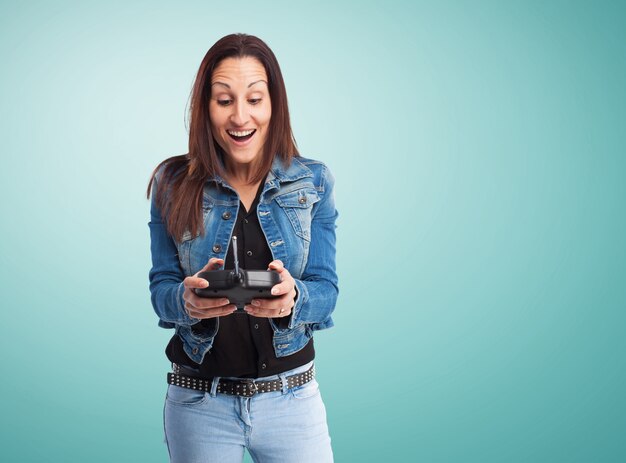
[216,381]
[284,382]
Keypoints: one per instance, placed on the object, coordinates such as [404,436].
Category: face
[240,108]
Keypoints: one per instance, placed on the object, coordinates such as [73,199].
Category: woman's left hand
[285,292]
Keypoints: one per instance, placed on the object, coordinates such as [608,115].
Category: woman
[243,380]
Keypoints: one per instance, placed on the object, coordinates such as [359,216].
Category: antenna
[235,254]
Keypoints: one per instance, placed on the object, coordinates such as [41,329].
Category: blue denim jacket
[297,214]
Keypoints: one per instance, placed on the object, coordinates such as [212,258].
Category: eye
[224,102]
[254,101]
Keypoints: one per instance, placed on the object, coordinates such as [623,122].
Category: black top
[243,344]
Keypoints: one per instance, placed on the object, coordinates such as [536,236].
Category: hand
[285,291]
[205,307]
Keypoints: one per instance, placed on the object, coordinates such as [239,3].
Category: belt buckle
[251,388]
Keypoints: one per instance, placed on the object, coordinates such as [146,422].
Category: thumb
[276,265]
[195,282]
[213,264]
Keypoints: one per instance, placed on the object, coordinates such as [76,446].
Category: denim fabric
[297,214]
[282,426]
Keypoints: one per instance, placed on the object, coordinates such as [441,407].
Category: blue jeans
[283,426]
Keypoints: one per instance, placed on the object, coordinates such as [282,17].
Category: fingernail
[204,283]
[225,301]
[255,302]
[274,290]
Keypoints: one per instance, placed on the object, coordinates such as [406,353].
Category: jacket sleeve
[166,276]
[317,288]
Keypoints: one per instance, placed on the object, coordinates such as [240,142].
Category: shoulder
[322,176]
[169,169]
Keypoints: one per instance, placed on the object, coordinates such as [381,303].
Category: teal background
[478,149]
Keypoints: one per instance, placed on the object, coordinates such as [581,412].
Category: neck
[240,174]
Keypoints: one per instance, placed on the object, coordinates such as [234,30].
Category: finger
[212,313]
[267,313]
[195,282]
[276,265]
[213,264]
[195,302]
[286,285]
[286,300]
[283,288]
[264,306]
[204,311]
[267,304]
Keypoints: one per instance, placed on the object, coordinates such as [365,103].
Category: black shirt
[243,344]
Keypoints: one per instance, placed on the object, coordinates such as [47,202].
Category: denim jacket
[297,214]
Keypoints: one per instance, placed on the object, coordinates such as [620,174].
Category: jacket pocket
[298,205]
[188,241]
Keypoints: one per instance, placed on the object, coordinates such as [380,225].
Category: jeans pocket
[307,390]
[184,396]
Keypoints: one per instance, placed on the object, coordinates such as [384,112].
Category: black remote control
[238,286]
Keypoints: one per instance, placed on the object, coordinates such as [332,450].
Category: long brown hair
[179,189]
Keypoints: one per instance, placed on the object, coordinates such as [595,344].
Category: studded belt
[243,387]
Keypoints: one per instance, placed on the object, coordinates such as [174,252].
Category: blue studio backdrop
[479,156]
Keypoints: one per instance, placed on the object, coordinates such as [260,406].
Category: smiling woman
[240,111]
[243,380]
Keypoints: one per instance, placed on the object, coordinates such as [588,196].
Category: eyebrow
[249,85]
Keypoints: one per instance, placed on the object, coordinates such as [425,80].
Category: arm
[317,289]
[166,276]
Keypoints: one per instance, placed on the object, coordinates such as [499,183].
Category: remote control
[238,286]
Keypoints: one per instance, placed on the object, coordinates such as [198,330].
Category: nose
[239,116]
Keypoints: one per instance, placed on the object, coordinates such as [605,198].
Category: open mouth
[241,135]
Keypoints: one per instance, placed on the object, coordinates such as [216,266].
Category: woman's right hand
[205,307]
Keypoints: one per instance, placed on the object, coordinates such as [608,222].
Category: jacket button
[217,248]
[194,350]
[302,200]
[256,326]
[249,253]
[263,366]
[226,215]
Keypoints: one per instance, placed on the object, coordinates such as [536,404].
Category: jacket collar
[281,173]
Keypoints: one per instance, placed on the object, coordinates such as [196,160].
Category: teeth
[240,134]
